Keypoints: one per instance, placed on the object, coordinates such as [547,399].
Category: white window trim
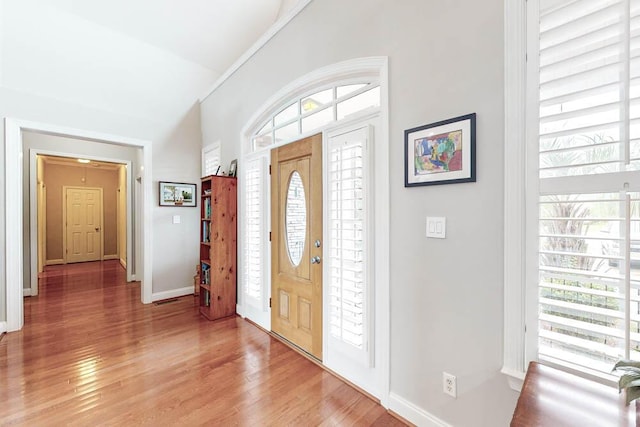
[375,68]
[515,219]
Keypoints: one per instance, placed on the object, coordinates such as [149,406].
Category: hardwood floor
[91,354]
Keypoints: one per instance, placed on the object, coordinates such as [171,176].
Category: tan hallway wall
[40,194]
[122,214]
[57,176]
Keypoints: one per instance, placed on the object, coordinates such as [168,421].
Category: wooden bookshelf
[218,247]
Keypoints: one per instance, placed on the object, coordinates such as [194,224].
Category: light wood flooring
[91,354]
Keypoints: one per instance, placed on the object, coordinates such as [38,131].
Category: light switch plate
[176,219]
[436,227]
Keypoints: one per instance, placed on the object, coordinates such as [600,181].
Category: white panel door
[83,224]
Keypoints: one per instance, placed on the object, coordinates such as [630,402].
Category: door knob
[97,228]
[315,260]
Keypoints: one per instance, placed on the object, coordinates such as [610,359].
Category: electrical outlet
[449,384]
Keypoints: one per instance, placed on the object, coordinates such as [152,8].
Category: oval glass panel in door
[296,218]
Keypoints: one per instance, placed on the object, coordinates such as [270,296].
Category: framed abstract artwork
[441,153]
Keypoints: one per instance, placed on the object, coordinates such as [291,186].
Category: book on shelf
[205,275]
[206,232]
[207,298]
[207,208]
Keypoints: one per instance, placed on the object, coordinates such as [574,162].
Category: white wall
[59,55]
[445,60]
[57,69]
[175,255]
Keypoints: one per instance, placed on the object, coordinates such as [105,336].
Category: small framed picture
[177,194]
[441,153]
[233,167]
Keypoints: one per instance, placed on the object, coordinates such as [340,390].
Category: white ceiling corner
[211,33]
[150,59]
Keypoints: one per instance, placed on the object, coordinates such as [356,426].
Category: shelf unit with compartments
[218,247]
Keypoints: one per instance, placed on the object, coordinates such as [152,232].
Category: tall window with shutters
[347,247]
[588,144]
[211,159]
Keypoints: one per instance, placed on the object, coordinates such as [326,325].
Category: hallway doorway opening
[16,246]
[63,231]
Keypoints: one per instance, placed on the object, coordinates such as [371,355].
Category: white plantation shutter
[589,87]
[587,286]
[346,251]
[254,238]
[211,159]
[589,158]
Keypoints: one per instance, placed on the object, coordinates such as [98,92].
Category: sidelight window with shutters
[347,245]
[584,65]
[254,223]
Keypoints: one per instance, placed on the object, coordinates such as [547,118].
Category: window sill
[514,378]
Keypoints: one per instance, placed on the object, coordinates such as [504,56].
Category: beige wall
[41,206]
[57,176]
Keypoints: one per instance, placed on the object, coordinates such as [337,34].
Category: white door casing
[14,199]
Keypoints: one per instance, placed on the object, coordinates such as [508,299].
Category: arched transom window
[315,110]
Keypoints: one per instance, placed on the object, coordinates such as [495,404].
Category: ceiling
[211,33]
[72,161]
[139,61]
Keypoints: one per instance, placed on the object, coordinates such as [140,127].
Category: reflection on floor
[91,353]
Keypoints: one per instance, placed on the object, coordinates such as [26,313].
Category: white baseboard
[3,327]
[174,293]
[108,257]
[413,413]
[123,263]
[54,262]
[240,311]
[26,292]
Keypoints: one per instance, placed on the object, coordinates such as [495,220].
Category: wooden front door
[296,243]
[83,224]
